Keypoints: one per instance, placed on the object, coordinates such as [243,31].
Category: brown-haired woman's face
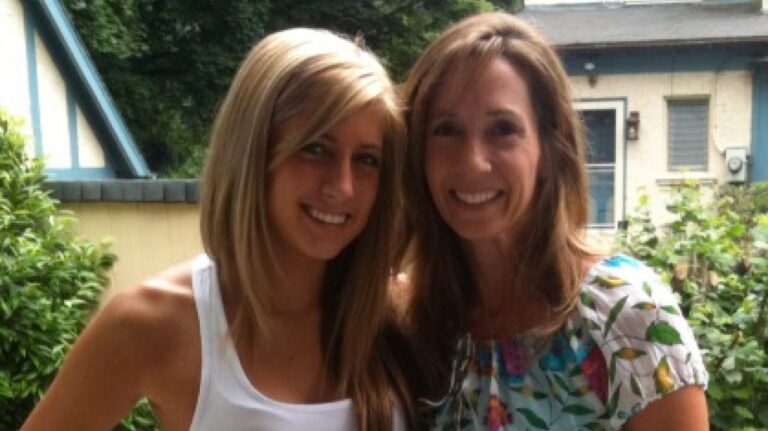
[482,151]
[320,197]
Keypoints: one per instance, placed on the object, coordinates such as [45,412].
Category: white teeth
[476,198]
[329,218]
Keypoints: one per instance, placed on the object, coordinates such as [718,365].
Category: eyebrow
[498,112]
[365,145]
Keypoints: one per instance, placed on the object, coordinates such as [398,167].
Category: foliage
[49,280]
[168,63]
[715,255]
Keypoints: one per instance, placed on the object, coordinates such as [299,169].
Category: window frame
[619,106]
[668,101]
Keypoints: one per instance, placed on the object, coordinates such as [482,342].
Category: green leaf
[644,306]
[671,309]
[663,333]
[577,409]
[534,420]
[743,412]
[613,314]
[587,300]
[647,288]
[635,386]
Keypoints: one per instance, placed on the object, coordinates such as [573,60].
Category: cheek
[433,169]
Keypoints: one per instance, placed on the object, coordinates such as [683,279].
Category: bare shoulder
[124,353]
[155,311]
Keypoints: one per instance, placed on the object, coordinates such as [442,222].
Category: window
[688,134]
[604,127]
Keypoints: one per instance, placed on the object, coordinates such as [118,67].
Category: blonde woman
[519,326]
[279,326]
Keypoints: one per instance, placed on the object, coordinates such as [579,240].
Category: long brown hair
[553,252]
[323,78]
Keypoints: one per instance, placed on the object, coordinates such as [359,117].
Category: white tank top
[227,400]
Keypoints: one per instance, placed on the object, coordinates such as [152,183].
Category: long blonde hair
[323,78]
[553,252]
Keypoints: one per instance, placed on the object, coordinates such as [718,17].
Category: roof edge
[57,20]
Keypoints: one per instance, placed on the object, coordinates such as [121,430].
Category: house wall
[730,121]
[146,237]
[35,90]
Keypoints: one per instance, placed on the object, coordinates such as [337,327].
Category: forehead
[495,81]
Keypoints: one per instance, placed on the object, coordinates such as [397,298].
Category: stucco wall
[730,106]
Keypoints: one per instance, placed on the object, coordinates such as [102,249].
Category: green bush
[49,282]
[714,254]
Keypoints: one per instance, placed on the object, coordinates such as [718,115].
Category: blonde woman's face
[482,151]
[320,197]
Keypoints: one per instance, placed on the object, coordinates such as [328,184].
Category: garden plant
[714,255]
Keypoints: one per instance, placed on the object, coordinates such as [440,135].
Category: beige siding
[730,107]
[147,237]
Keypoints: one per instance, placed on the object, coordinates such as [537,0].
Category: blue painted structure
[49,19]
[760,122]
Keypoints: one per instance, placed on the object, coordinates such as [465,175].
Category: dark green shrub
[49,283]
[714,254]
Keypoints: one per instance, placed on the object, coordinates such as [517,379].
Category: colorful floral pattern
[625,345]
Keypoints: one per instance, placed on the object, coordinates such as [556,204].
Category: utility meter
[736,160]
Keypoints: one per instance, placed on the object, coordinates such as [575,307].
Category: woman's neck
[507,305]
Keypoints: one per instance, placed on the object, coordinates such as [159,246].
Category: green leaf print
[635,387]
[612,371]
[662,332]
[534,420]
[587,300]
[610,282]
[614,401]
[644,306]
[578,410]
[647,288]
[671,309]
[613,314]
[561,383]
[629,353]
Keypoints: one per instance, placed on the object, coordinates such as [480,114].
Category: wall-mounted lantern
[633,126]
[591,70]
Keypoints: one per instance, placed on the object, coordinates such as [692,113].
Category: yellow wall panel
[146,237]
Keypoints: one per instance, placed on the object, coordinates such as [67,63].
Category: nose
[473,155]
[338,184]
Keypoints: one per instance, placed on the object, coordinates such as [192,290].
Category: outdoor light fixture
[633,126]
[591,70]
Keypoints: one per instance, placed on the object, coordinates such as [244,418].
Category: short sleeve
[648,345]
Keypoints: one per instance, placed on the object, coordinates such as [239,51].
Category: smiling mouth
[326,217]
[476,198]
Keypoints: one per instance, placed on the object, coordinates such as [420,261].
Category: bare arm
[102,377]
[682,410]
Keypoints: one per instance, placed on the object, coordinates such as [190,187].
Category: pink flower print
[498,416]
[595,370]
[513,358]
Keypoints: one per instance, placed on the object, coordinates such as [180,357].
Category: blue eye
[314,148]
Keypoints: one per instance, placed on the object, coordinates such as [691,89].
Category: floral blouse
[625,345]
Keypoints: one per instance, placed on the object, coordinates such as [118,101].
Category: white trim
[620,107]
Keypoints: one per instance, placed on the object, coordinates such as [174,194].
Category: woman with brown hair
[280,325]
[517,323]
